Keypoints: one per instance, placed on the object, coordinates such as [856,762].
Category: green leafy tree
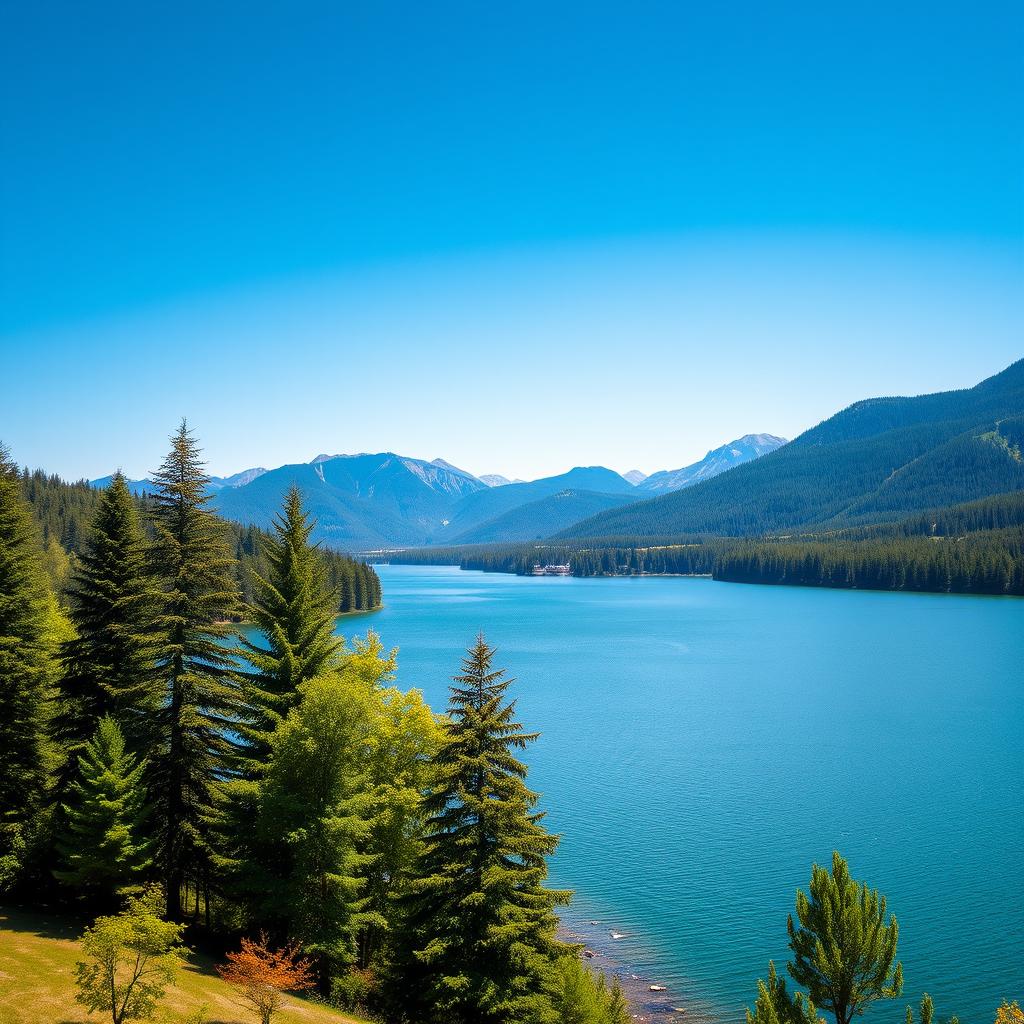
[844,952]
[27,650]
[306,867]
[482,925]
[108,665]
[774,1005]
[200,701]
[404,738]
[131,959]
[103,844]
[294,609]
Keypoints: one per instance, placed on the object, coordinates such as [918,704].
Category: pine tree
[774,1005]
[200,700]
[102,842]
[108,665]
[481,923]
[844,951]
[26,666]
[294,609]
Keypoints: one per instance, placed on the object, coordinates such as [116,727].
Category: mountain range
[876,461]
[383,500]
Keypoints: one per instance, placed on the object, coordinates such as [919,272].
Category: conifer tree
[102,844]
[26,666]
[294,609]
[200,700]
[481,923]
[774,1005]
[108,665]
[845,953]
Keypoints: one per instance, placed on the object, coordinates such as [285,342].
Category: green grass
[37,966]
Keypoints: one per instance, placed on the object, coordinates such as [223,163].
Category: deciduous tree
[262,975]
[131,959]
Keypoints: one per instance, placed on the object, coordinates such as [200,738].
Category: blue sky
[520,237]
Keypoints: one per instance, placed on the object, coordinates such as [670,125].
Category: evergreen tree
[294,609]
[774,1005]
[481,923]
[102,842]
[108,664]
[26,665]
[200,702]
[844,951]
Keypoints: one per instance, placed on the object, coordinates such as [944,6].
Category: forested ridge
[64,511]
[879,460]
[976,547]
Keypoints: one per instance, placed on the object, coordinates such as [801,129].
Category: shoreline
[602,954]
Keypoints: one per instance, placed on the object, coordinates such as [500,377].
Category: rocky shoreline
[603,954]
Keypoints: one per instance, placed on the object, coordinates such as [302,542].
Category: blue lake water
[703,743]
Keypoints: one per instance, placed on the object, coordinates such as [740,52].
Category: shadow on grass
[56,925]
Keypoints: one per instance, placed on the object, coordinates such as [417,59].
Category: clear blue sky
[518,236]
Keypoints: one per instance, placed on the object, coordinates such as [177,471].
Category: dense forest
[273,789]
[64,511]
[976,547]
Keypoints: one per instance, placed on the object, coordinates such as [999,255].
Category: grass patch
[38,953]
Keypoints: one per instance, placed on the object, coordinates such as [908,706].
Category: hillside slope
[37,967]
[541,518]
[879,459]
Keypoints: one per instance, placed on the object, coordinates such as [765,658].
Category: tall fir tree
[200,699]
[108,666]
[481,924]
[102,842]
[26,673]
[294,608]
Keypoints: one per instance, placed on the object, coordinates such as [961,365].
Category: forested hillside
[880,459]
[976,547]
[64,511]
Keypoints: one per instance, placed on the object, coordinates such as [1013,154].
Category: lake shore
[602,954]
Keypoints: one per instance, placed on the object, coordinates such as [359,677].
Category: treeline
[64,511]
[157,762]
[974,548]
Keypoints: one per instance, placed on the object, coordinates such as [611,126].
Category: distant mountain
[495,480]
[635,477]
[246,476]
[479,508]
[359,501]
[880,459]
[735,453]
[541,518]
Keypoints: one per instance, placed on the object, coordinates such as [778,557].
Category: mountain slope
[359,501]
[478,508]
[879,459]
[538,519]
[735,453]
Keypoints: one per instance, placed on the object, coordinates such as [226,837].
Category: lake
[703,743]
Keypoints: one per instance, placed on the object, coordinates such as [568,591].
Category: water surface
[703,743]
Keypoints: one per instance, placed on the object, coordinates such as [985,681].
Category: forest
[973,548]
[273,799]
[64,512]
